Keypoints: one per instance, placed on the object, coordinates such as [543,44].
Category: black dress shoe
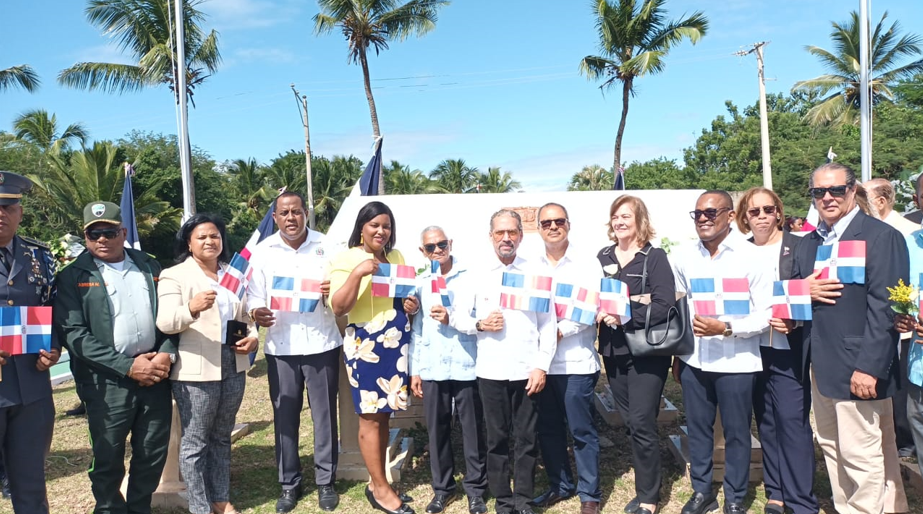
[403,509]
[79,410]
[548,499]
[288,499]
[327,498]
[632,506]
[700,504]
[406,498]
[526,510]
[734,508]
[439,503]
[476,505]
[643,510]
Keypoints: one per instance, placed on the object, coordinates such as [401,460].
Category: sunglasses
[558,222]
[710,214]
[511,234]
[835,191]
[430,248]
[108,233]
[768,209]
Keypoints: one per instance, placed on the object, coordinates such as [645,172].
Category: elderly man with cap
[26,406]
[104,314]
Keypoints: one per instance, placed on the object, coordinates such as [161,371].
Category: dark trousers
[115,409]
[567,402]
[637,385]
[901,423]
[782,406]
[25,434]
[288,377]
[703,393]
[915,418]
[510,417]
[437,405]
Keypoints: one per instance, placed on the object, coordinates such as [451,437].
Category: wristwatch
[172,358]
[727,330]
[477,325]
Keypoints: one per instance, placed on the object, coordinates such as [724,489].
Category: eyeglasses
[108,233]
[558,222]
[768,209]
[510,234]
[710,214]
[835,191]
[430,248]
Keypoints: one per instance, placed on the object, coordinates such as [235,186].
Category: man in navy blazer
[852,344]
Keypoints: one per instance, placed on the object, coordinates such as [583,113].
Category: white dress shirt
[739,353]
[576,352]
[527,340]
[773,338]
[293,333]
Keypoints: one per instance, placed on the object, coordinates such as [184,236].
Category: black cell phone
[237,330]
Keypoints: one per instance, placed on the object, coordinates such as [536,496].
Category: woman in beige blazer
[209,375]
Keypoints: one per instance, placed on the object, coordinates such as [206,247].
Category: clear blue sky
[496,83]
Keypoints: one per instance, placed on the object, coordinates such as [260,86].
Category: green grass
[254,486]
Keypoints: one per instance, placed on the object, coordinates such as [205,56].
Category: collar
[518,263]
[568,256]
[917,236]
[731,242]
[127,262]
[839,227]
[276,239]
[456,268]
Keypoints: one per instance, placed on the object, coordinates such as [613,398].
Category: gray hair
[506,212]
[431,228]
[835,166]
[881,187]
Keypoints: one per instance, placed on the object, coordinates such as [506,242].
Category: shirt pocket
[111,291]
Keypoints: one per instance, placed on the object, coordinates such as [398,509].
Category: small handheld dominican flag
[237,276]
[791,299]
[438,285]
[720,296]
[844,260]
[613,298]
[294,294]
[393,281]
[577,304]
[525,292]
[25,329]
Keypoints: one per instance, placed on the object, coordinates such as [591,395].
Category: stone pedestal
[605,406]
[679,447]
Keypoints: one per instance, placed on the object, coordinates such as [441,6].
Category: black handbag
[671,337]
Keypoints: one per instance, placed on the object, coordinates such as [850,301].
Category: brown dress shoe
[589,507]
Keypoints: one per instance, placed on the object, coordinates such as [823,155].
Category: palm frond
[107,77]
[23,76]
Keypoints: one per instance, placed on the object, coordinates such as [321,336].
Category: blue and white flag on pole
[128,210]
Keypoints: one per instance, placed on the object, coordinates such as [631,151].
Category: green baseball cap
[101,212]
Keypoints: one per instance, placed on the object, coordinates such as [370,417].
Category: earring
[361,239]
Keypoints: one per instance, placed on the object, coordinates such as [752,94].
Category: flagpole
[865,129]
[183,136]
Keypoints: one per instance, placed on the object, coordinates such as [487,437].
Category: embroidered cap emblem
[98,209]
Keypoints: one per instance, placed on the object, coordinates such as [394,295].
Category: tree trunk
[373,112]
[626,90]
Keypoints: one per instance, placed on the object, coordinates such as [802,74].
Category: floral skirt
[376,361]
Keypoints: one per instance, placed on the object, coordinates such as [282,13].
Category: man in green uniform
[26,407]
[104,314]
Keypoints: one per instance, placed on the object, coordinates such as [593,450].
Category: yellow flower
[901,293]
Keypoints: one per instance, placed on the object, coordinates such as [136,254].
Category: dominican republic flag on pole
[844,260]
[525,292]
[438,285]
[127,207]
[791,299]
[238,274]
[394,281]
[294,294]
[613,298]
[720,296]
[25,329]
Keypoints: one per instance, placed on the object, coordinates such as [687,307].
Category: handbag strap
[647,315]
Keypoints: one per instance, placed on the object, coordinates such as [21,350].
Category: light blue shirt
[833,234]
[440,352]
[133,329]
[915,357]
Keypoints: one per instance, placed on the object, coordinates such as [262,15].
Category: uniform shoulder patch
[35,242]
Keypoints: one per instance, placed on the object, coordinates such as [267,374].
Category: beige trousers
[858,441]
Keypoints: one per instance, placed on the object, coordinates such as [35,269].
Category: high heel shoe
[403,509]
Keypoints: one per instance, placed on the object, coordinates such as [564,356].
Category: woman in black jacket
[637,383]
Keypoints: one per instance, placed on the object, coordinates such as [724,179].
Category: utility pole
[185,151]
[302,101]
[764,116]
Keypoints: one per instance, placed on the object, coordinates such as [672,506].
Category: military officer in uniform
[26,408]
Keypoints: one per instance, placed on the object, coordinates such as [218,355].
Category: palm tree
[143,29]
[454,176]
[23,76]
[38,128]
[842,86]
[496,181]
[373,23]
[247,177]
[402,181]
[591,178]
[634,41]
[333,181]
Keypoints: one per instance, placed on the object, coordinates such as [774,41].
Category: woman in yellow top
[375,344]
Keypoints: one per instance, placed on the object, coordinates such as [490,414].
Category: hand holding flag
[720,296]
[791,299]
[843,260]
[293,294]
[613,299]
[439,286]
